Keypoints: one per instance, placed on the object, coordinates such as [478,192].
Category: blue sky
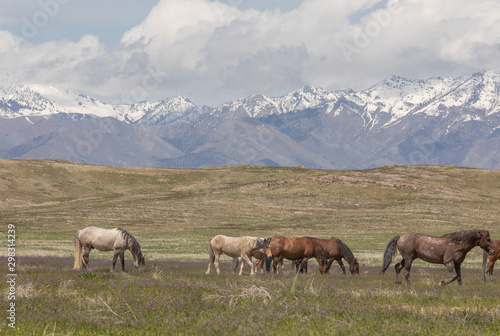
[214,51]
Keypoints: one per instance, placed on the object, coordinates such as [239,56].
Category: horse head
[140,262]
[486,243]
[268,255]
[354,267]
[263,242]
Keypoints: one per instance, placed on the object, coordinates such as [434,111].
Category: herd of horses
[449,250]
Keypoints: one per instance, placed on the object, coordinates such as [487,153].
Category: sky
[126,51]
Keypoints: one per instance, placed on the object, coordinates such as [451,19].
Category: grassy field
[173,213]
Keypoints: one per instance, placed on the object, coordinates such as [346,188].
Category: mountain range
[445,121]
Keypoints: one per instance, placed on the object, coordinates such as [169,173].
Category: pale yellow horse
[234,247]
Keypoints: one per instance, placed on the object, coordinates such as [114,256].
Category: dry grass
[173,212]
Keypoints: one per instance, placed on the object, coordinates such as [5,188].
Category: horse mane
[347,253]
[465,238]
[131,242]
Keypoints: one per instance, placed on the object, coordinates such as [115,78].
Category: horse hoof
[442,283]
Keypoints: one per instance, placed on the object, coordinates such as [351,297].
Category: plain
[173,213]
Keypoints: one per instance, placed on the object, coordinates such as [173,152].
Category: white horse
[234,247]
[117,240]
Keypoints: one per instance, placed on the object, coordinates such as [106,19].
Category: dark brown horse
[298,249]
[335,249]
[449,249]
[489,260]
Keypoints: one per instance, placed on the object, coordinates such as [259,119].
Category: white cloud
[211,51]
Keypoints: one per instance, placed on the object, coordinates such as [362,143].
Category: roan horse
[449,249]
[298,249]
[335,249]
[117,240]
[234,247]
[489,260]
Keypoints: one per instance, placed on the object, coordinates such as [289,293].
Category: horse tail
[78,253]
[390,252]
[211,253]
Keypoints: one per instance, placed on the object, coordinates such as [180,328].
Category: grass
[177,298]
[173,213]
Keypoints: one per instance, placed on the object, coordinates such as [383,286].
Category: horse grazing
[117,240]
[449,249]
[298,249]
[234,247]
[489,260]
[335,249]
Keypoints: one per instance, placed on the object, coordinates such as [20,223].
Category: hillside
[174,212]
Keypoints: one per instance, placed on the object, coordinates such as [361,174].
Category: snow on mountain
[386,102]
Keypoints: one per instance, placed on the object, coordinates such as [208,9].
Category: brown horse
[489,260]
[449,249]
[299,249]
[335,249]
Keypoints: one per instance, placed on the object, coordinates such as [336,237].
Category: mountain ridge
[399,120]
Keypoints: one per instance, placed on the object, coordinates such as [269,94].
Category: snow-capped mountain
[396,121]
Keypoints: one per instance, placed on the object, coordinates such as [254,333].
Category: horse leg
[406,270]
[341,265]
[261,263]
[489,270]
[122,259]
[249,262]
[328,265]
[459,274]
[86,257]
[275,264]
[216,263]
[115,257]
[453,271]
[302,266]
[398,267]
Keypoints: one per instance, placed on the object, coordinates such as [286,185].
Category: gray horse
[117,240]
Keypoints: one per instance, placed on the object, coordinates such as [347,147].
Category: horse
[299,249]
[335,249]
[117,240]
[449,249]
[259,254]
[489,260]
[234,247]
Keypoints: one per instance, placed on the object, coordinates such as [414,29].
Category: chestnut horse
[489,260]
[298,249]
[449,249]
[335,249]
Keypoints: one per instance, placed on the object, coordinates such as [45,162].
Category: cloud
[212,52]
